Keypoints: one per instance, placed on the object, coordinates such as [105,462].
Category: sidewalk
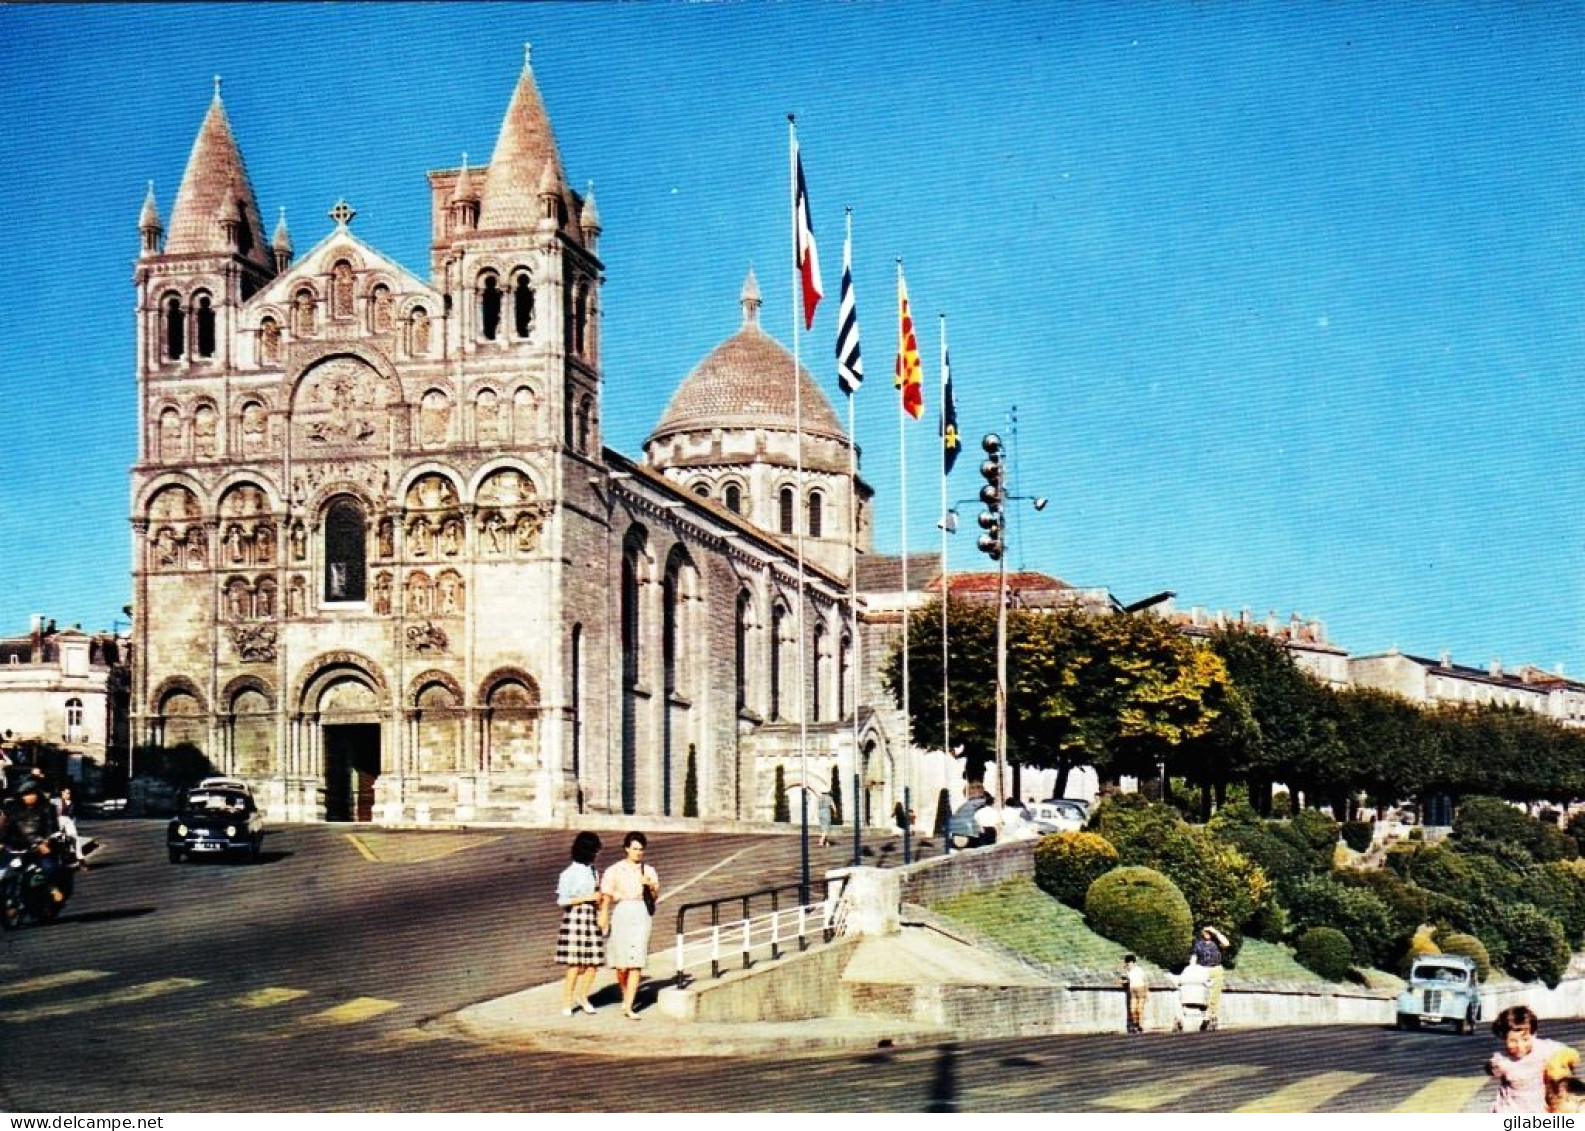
[532,1019]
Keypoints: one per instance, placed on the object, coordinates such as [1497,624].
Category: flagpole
[850,374]
[902,463]
[799,510]
[946,679]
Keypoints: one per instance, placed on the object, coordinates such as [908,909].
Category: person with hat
[1207,952]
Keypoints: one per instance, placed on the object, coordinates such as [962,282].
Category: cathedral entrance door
[352,765]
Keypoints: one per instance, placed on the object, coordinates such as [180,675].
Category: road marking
[362,848]
[414,848]
[1046,1081]
[351,1012]
[1152,1093]
[688,883]
[1306,1094]
[1444,1094]
[52,981]
[99,1001]
[268,996]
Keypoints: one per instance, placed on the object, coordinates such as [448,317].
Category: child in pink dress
[1520,1067]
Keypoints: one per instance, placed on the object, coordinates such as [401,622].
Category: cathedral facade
[386,569]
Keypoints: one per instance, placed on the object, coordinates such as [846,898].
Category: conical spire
[750,299]
[149,226]
[149,218]
[463,189]
[214,170]
[589,218]
[282,239]
[523,150]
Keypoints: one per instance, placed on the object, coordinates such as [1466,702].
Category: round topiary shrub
[1356,834]
[1456,942]
[1066,864]
[1326,951]
[1418,946]
[1361,915]
[1142,910]
[1537,951]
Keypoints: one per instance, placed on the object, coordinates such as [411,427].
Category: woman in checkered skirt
[580,945]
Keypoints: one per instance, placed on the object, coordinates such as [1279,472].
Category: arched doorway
[349,719]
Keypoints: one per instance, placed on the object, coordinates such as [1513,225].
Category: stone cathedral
[385,568]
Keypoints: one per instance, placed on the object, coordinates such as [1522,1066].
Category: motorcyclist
[30,823]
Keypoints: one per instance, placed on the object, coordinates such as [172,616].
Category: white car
[1057,816]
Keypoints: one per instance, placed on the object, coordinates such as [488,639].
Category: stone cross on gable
[342,213]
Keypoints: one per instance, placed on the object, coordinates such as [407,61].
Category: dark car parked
[962,827]
[215,821]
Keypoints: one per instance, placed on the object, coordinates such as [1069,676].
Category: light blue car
[1444,989]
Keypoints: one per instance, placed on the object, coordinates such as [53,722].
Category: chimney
[1495,667]
[1446,659]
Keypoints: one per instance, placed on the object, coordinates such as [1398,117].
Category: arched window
[305,315]
[585,412]
[74,720]
[816,697]
[734,498]
[269,341]
[668,630]
[206,327]
[777,616]
[175,329]
[702,490]
[629,620]
[816,514]
[490,308]
[522,305]
[580,317]
[382,309]
[740,651]
[789,503]
[344,551]
[844,673]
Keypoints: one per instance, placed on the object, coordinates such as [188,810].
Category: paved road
[307,982]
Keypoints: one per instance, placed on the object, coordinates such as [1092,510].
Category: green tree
[1121,693]
[781,812]
[690,784]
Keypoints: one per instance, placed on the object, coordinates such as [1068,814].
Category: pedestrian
[1207,951]
[580,946]
[1133,980]
[631,889]
[1520,1066]
[1194,989]
[823,808]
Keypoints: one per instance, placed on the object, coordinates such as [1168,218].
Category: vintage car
[1058,816]
[1444,989]
[215,821]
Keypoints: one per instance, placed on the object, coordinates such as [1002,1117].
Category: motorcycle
[25,887]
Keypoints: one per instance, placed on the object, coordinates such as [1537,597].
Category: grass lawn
[1020,916]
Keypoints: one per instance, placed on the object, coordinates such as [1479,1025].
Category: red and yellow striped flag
[910,377]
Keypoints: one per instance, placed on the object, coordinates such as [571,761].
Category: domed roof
[743,384]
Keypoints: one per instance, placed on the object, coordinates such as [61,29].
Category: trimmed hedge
[1361,915]
[1536,949]
[1143,911]
[1066,864]
[1456,942]
[1326,951]
[1356,834]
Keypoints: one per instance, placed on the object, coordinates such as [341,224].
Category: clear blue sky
[1290,297]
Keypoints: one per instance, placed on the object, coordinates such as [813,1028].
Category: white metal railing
[752,937]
